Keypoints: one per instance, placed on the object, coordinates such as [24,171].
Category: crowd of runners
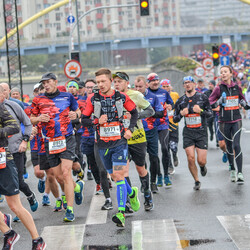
[109,124]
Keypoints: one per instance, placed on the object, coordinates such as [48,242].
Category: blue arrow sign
[224,60]
[71,19]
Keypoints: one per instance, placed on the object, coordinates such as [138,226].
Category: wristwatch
[25,138]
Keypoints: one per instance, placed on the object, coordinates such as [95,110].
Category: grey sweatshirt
[19,115]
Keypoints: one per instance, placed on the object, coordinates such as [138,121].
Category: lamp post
[104,30]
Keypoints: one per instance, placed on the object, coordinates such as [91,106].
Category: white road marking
[68,237]
[155,234]
[95,214]
[238,228]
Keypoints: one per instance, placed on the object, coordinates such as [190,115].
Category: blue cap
[188,78]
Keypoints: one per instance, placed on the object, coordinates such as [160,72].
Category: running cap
[213,82]
[48,76]
[15,89]
[152,77]
[188,78]
[81,85]
[165,82]
[121,75]
[73,84]
[36,86]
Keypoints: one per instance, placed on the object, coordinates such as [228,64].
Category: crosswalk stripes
[238,228]
[66,237]
[155,234]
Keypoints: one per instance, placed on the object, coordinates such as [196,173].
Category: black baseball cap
[121,75]
[48,76]
[81,85]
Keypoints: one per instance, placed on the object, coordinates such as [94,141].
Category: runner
[55,110]
[107,106]
[195,107]
[9,185]
[163,125]
[137,145]
[173,127]
[201,86]
[18,144]
[151,129]
[229,96]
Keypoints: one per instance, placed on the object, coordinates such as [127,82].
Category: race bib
[170,114]
[232,103]
[193,120]
[110,131]
[2,158]
[126,122]
[57,145]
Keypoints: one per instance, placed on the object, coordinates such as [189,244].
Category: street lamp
[104,30]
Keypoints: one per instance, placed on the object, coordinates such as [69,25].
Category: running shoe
[33,202]
[58,206]
[89,176]
[148,204]
[233,176]
[1,198]
[46,200]
[203,170]
[171,170]
[154,188]
[197,185]
[119,219]
[159,181]
[224,157]
[79,195]
[16,219]
[128,208]
[38,244]
[7,220]
[41,186]
[69,216]
[64,202]
[107,205]
[10,239]
[168,183]
[135,203]
[240,178]
[176,160]
[98,189]
[80,175]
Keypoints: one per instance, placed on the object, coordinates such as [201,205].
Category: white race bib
[57,145]
[2,158]
[193,120]
[232,103]
[110,131]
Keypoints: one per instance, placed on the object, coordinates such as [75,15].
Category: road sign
[224,49]
[208,63]
[224,60]
[199,71]
[72,69]
[71,19]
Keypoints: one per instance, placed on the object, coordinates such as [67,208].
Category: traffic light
[144,7]
[215,55]
[75,56]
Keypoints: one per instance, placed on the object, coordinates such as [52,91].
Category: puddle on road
[120,247]
[187,243]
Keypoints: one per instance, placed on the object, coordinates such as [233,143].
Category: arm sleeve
[10,125]
[24,119]
[158,114]
[147,112]
[134,118]
[177,116]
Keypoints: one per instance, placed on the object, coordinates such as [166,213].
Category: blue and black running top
[193,120]
[164,98]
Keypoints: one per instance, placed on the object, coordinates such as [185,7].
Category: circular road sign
[208,63]
[224,49]
[199,71]
[71,19]
[72,69]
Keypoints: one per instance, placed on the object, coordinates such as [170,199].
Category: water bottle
[224,98]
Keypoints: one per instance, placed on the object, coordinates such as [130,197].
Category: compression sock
[121,193]
[128,181]
[128,186]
